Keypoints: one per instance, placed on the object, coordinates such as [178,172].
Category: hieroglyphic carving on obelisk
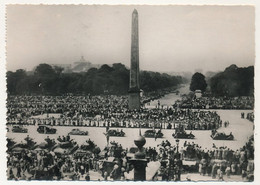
[134,86]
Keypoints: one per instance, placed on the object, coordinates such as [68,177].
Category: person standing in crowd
[87,177]
[220,174]
[227,171]
[115,173]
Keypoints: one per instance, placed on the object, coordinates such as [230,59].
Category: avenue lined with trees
[107,79]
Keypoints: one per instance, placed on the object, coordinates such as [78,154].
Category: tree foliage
[233,81]
[198,82]
[107,79]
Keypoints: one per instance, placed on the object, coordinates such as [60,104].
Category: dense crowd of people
[249,116]
[209,102]
[103,111]
[113,162]
[63,159]
[216,161]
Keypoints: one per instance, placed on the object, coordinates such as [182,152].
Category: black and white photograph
[130,93]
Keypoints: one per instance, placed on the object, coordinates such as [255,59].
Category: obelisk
[134,86]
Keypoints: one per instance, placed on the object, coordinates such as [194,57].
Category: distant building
[77,67]
[81,66]
[66,67]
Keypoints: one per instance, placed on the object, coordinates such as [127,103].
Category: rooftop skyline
[171,38]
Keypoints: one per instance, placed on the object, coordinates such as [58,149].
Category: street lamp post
[177,142]
[178,162]
[171,165]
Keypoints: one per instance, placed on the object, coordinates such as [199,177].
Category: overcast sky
[171,38]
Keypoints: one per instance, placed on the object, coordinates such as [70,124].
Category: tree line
[50,80]
[233,81]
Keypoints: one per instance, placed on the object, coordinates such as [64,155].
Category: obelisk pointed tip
[135,11]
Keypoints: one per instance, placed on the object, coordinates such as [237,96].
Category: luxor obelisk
[134,86]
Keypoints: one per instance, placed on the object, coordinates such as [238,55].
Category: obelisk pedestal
[134,86]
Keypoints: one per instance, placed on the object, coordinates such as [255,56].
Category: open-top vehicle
[153,134]
[221,136]
[46,130]
[116,133]
[88,145]
[19,129]
[76,131]
[180,133]
[183,135]
[65,147]
[28,144]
